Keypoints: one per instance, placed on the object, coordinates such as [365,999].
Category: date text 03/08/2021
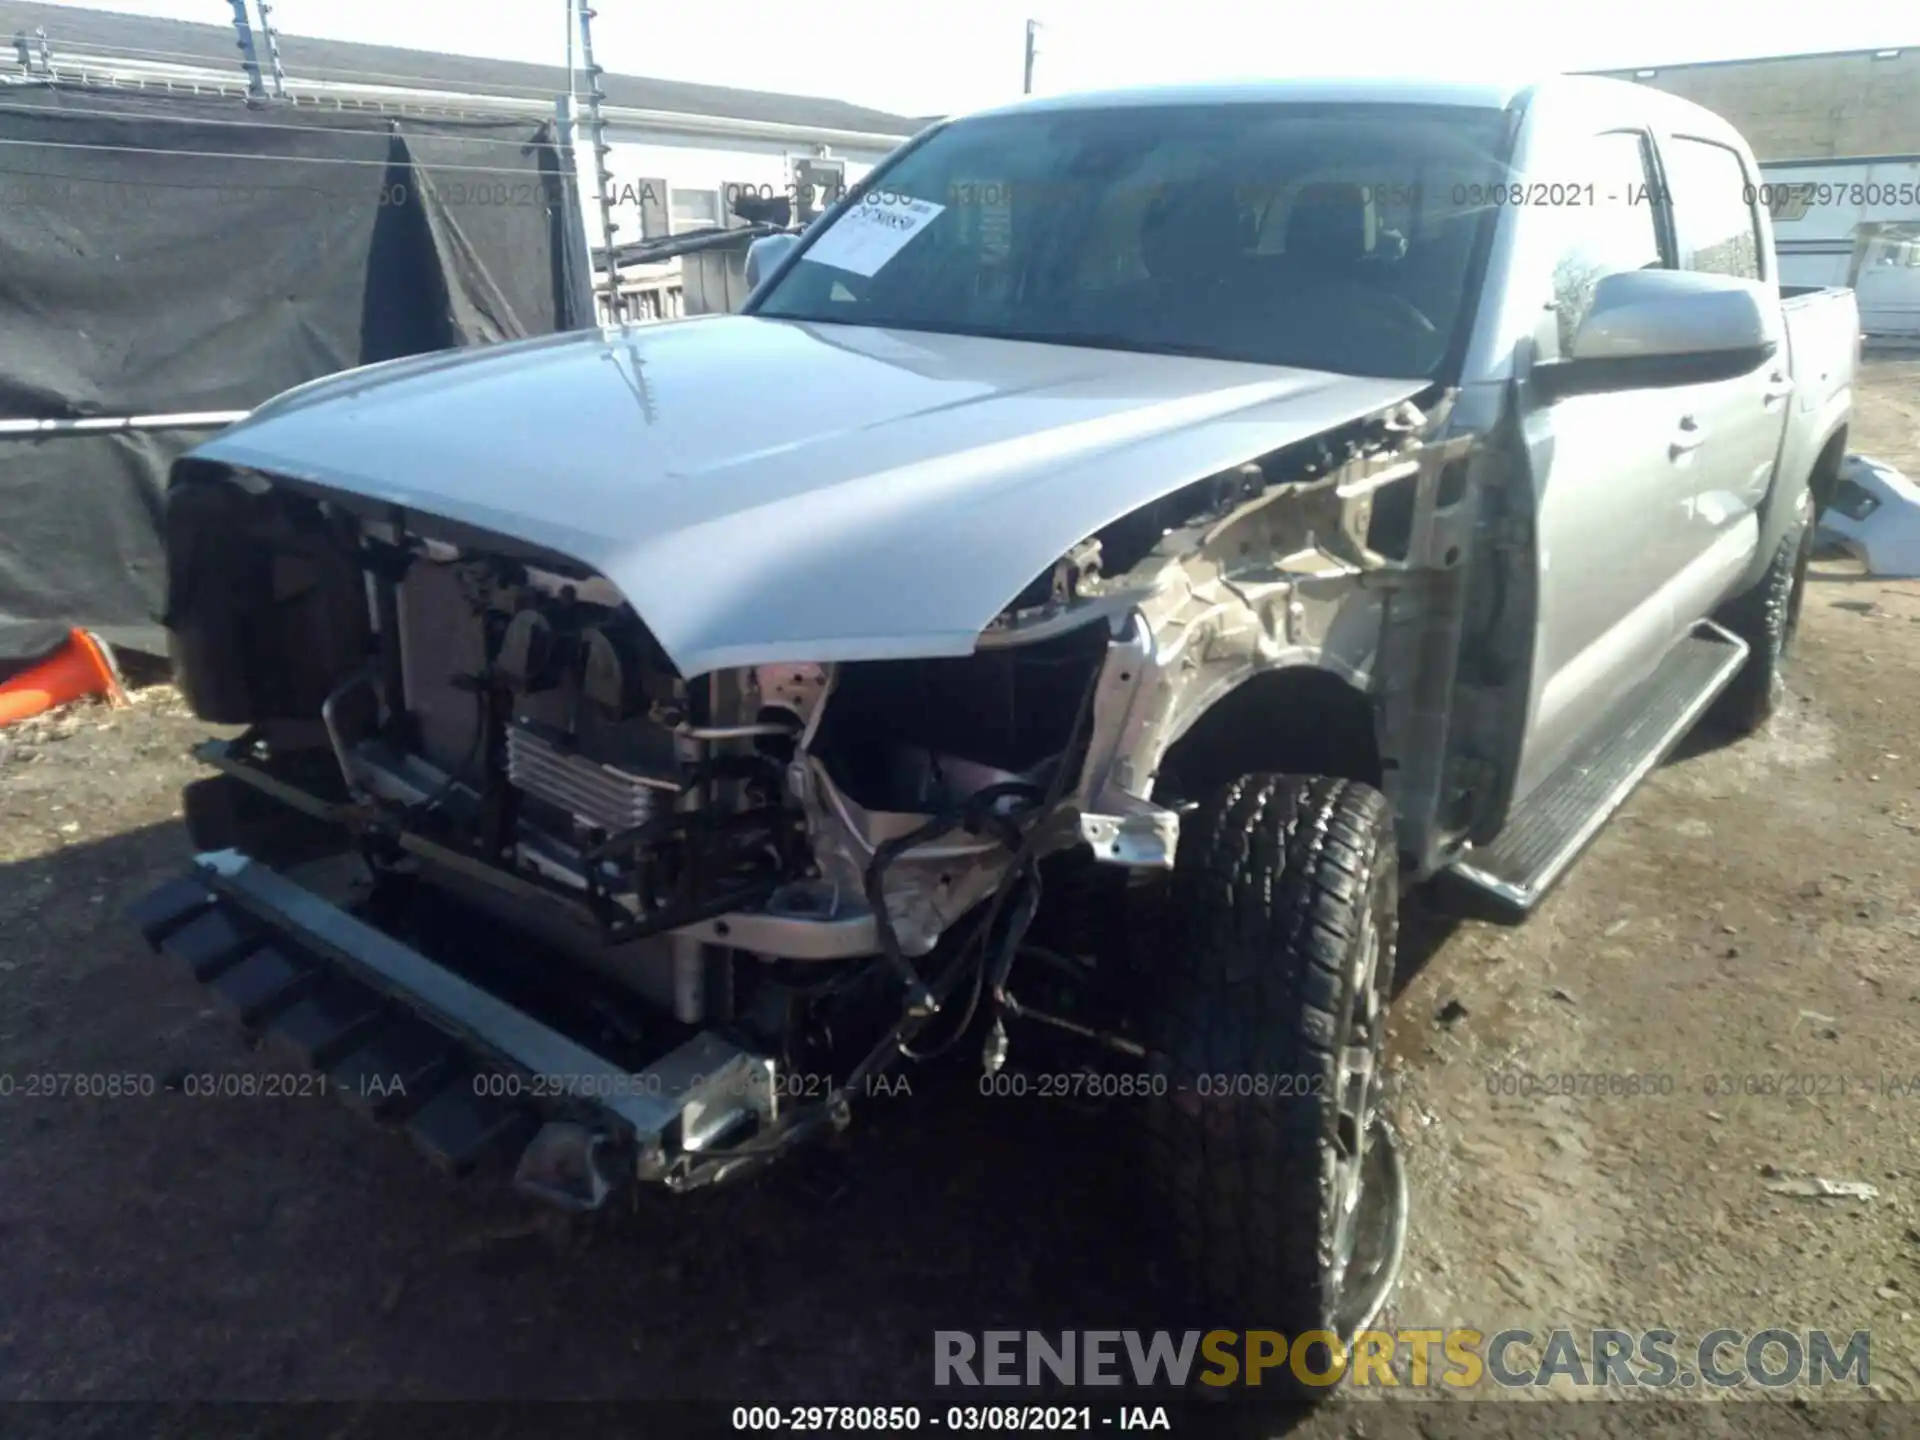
[193,1085]
[959,1419]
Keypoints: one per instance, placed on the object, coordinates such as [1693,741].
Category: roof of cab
[1600,99]
[1364,90]
[1482,94]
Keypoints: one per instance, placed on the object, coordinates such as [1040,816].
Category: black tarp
[170,254]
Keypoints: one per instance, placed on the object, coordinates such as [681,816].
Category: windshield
[1329,237]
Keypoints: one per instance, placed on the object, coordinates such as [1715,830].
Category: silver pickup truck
[1119,547]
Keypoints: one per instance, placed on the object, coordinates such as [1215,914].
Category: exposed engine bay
[834,865]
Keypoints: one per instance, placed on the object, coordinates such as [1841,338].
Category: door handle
[1779,387]
[1691,438]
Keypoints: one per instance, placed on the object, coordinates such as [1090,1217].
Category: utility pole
[597,134]
[249,59]
[273,49]
[1033,29]
[582,294]
[35,57]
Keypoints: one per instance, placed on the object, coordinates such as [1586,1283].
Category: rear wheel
[1767,617]
[1272,1171]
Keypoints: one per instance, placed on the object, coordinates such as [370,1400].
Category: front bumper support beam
[407,1039]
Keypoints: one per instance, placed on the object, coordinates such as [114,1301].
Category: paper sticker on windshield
[873,232]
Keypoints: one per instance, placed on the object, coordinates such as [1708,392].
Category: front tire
[1271,1171]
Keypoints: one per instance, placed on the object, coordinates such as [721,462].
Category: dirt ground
[1753,913]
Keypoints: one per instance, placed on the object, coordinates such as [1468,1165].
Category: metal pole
[243,27]
[273,49]
[597,133]
[1026,87]
[580,289]
[35,57]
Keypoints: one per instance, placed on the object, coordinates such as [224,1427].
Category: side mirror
[1650,328]
[765,254]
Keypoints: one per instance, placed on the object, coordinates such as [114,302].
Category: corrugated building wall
[1806,107]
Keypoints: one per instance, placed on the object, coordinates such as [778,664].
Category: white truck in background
[1853,222]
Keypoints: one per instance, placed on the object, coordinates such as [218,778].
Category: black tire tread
[1257,956]
[1764,617]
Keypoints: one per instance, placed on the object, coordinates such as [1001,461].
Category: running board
[1546,832]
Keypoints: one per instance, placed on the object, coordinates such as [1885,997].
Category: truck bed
[1823,337]
[1823,350]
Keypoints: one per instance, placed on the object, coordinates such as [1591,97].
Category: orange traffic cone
[83,666]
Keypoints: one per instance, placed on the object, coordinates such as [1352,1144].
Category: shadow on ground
[169,1246]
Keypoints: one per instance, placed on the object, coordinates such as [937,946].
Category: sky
[932,57]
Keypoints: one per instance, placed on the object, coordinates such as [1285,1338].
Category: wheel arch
[1297,719]
[1824,477]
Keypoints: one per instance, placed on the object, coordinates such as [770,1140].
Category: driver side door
[1612,473]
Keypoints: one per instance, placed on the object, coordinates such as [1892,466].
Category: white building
[677,149]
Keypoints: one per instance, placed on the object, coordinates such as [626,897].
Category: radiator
[598,795]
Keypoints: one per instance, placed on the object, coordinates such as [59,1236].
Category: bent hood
[768,490]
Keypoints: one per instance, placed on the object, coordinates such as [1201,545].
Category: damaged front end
[483,855]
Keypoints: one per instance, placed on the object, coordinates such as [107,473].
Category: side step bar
[1547,831]
[407,1040]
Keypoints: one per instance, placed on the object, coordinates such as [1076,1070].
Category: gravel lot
[1753,913]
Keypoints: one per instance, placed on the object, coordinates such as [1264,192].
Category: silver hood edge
[765,491]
